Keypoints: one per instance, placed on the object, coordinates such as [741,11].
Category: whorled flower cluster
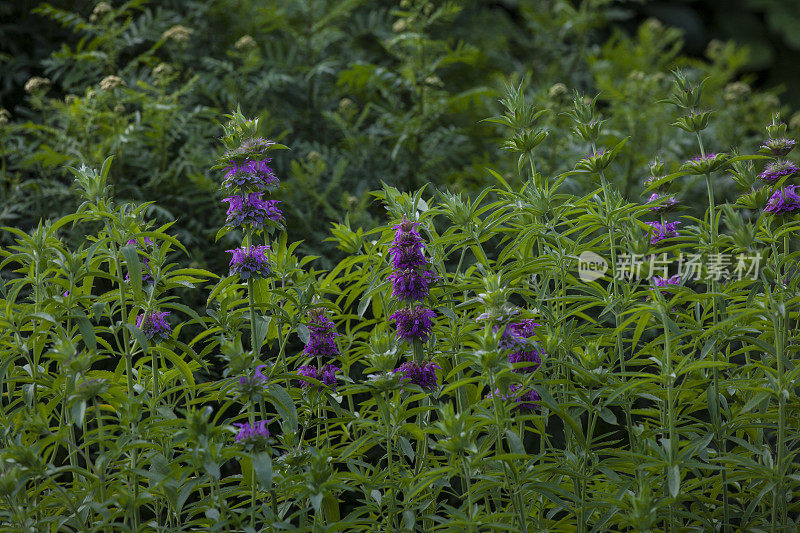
[254,435]
[251,209]
[517,337]
[154,325]
[251,176]
[325,374]
[322,334]
[422,374]
[250,261]
[413,323]
[411,278]
[777,170]
[659,232]
[784,201]
[321,345]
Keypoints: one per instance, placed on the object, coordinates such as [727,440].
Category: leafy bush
[450,372]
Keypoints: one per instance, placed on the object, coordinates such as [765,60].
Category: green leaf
[139,336]
[284,406]
[303,333]
[262,464]
[134,269]
[674,480]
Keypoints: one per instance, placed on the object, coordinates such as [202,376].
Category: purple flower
[658,232]
[777,170]
[255,381]
[663,282]
[153,325]
[321,342]
[411,285]
[326,374]
[254,435]
[779,147]
[65,294]
[250,175]
[250,209]
[516,338]
[785,200]
[526,401]
[413,323]
[250,261]
[407,247]
[662,202]
[423,374]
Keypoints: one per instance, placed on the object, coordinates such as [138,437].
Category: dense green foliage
[662,399]
[364,92]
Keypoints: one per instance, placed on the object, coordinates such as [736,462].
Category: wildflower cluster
[321,345]
[247,178]
[153,325]
[411,281]
[784,200]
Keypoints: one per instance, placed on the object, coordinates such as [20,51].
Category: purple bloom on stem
[257,378]
[250,175]
[658,232]
[407,247]
[423,374]
[413,323]
[526,401]
[153,325]
[321,342]
[411,285]
[777,170]
[663,282]
[251,209]
[256,434]
[783,201]
[662,202]
[779,147]
[250,261]
[326,374]
[516,338]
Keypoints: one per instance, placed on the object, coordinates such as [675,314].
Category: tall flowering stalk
[782,204]
[247,177]
[411,281]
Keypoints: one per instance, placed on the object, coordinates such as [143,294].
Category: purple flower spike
[784,201]
[658,232]
[250,209]
[516,338]
[411,285]
[250,261]
[413,323]
[153,325]
[321,342]
[327,375]
[407,247]
[254,435]
[777,170]
[423,374]
[251,175]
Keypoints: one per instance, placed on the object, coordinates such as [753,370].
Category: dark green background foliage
[361,91]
